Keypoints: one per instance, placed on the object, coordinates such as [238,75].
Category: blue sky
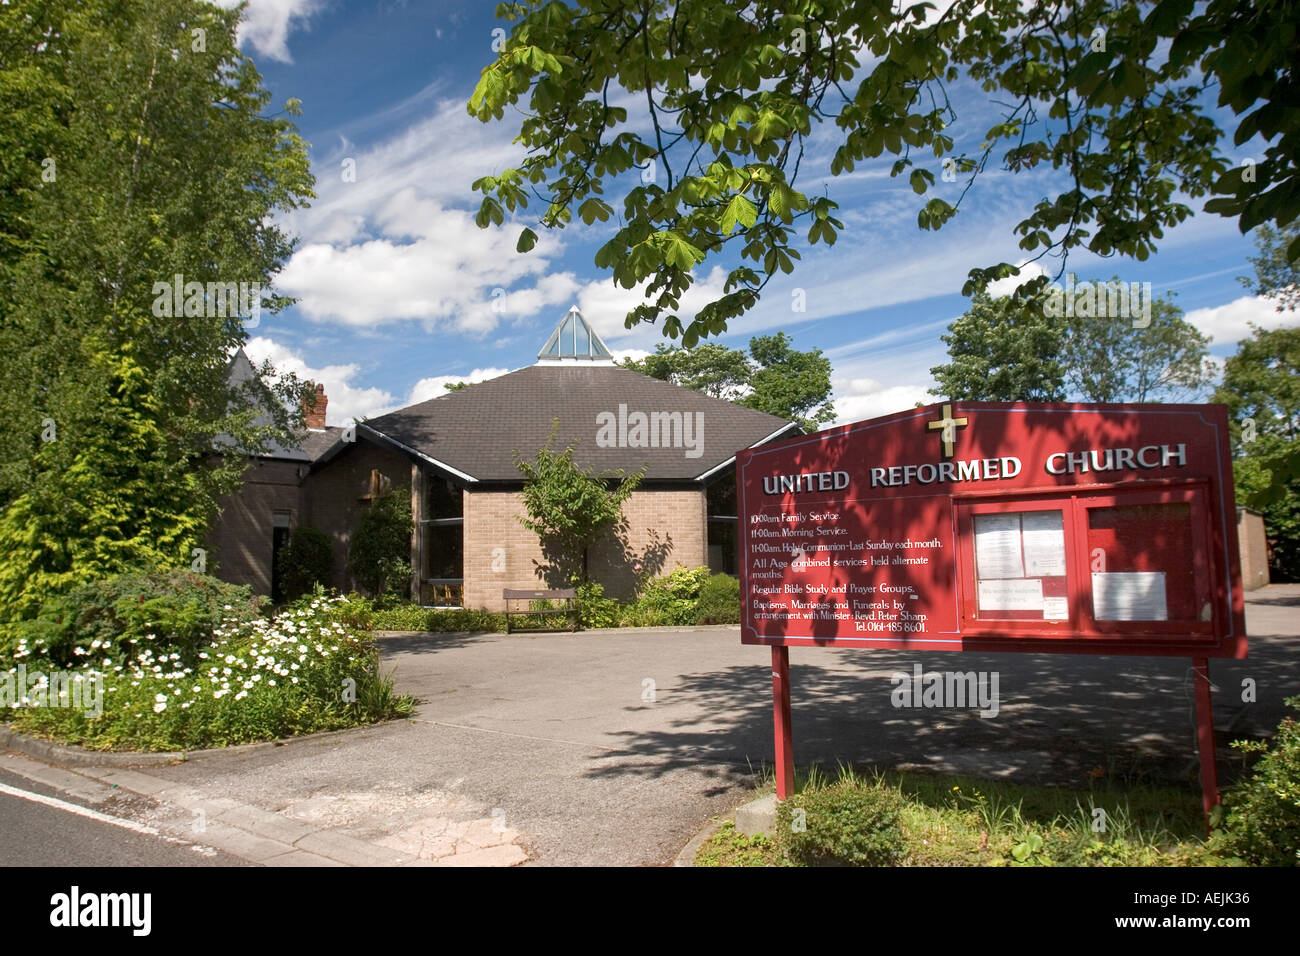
[400,291]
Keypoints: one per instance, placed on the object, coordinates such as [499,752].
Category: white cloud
[394,241]
[1004,287]
[452,272]
[436,152]
[434,387]
[347,400]
[623,354]
[891,339]
[859,399]
[605,305]
[1228,324]
[266,24]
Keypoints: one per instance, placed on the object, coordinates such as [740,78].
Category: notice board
[995,526]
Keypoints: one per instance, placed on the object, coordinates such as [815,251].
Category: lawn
[865,817]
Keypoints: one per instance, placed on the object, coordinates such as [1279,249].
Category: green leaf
[527,239]
[677,251]
[739,210]
[594,209]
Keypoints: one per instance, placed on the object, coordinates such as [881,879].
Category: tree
[1158,357]
[710,368]
[1275,276]
[379,555]
[1013,349]
[1261,387]
[772,378]
[790,384]
[570,508]
[716,104]
[112,507]
[1003,350]
[136,149]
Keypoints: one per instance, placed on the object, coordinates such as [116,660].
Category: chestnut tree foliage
[1138,107]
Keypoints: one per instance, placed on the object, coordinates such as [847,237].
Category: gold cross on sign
[948,426]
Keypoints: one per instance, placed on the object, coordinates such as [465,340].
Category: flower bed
[300,672]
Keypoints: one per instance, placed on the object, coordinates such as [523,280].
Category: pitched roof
[310,445]
[476,430]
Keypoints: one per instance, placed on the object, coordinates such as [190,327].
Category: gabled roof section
[618,418]
[241,375]
[574,340]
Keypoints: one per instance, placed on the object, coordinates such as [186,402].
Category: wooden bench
[570,609]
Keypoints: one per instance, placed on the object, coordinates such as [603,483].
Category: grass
[962,821]
[728,847]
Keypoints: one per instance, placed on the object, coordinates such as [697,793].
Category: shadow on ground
[430,642]
[1062,719]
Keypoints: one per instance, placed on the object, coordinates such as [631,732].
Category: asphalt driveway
[615,747]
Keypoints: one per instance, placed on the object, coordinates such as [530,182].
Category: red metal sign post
[1205,736]
[1002,527]
[781,722]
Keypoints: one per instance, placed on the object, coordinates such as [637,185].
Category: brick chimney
[313,409]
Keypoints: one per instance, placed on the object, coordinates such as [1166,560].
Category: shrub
[169,611]
[848,823]
[401,617]
[412,617]
[719,601]
[594,609]
[355,610]
[642,614]
[669,600]
[306,561]
[380,553]
[1261,823]
[684,583]
[298,673]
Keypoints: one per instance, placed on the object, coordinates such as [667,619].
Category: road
[35,833]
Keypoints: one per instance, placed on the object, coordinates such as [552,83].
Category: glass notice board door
[1016,562]
[1020,566]
[1148,561]
[1104,563]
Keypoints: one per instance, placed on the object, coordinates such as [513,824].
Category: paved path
[614,747]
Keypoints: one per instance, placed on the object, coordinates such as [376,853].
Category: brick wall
[490,524]
[239,543]
[333,497]
[1254,549]
[664,529]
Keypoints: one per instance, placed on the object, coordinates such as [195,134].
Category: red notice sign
[985,526]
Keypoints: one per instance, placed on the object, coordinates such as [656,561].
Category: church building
[455,455]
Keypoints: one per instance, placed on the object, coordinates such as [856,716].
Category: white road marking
[84,812]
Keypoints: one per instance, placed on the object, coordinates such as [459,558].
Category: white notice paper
[1022,594]
[1056,609]
[997,547]
[1129,596]
[1044,544]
